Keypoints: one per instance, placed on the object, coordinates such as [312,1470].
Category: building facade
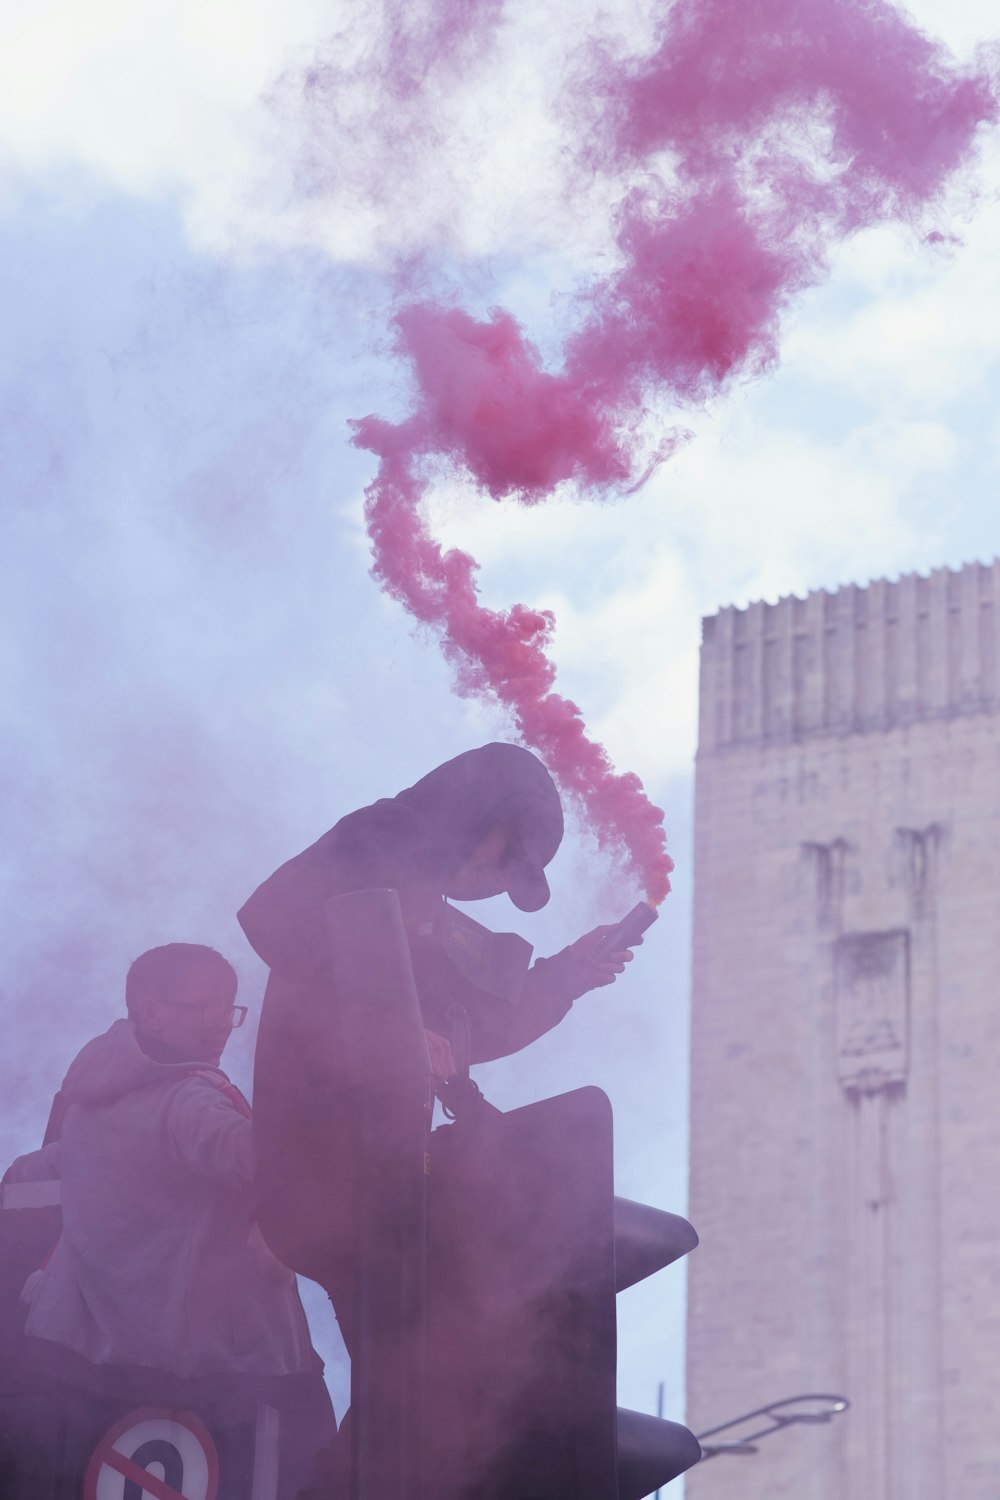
[845,1109]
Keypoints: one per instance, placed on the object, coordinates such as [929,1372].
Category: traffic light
[526,1248]
[474,1267]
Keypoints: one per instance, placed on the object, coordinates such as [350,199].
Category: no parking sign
[154,1454]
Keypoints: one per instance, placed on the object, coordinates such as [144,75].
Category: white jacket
[159,1262]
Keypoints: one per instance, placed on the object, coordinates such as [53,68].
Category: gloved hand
[572,972]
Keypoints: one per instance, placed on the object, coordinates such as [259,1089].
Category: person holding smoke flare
[484,823]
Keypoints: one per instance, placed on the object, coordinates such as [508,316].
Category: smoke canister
[626,932]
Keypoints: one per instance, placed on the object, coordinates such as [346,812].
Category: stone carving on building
[917,850]
[871,978]
[828,862]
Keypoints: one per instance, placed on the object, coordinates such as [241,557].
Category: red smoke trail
[738,95]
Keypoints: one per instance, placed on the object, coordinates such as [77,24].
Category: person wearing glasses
[160,1284]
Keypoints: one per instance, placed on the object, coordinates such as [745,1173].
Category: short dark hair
[156,971]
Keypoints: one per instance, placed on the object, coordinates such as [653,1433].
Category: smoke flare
[738,208]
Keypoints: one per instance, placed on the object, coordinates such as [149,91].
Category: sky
[205,229]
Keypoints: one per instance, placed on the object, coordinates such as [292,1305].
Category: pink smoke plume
[738,97]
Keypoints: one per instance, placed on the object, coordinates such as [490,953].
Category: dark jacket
[411,843]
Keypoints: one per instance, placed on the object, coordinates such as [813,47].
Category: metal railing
[793,1411]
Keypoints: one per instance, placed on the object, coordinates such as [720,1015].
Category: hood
[460,801]
[424,834]
[114,1064]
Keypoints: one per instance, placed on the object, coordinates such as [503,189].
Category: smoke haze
[787,127]
[197,675]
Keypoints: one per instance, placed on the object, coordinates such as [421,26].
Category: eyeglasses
[235,1016]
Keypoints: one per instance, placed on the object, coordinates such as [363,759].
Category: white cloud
[751,509]
[960,24]
[922,332]
[184,96]
[167,98]
[151,98]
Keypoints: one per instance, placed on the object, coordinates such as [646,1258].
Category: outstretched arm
[551,986]
[209,1134]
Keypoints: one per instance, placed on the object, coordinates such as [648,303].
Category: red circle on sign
[107,1456]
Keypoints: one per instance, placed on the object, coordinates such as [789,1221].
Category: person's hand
[599,971]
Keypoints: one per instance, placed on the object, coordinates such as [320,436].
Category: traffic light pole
[387,1370]
[386,1059]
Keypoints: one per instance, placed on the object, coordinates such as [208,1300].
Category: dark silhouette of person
[487,822]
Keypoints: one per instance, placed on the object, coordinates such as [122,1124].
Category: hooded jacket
[412,843]
[420,837]
[159,1263]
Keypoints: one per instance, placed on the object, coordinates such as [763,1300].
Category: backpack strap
[60,1104]
[222,1083]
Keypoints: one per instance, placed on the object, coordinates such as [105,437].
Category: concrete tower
[845,1109]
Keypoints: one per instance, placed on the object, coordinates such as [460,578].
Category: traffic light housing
[527,1247]
[474,1268]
